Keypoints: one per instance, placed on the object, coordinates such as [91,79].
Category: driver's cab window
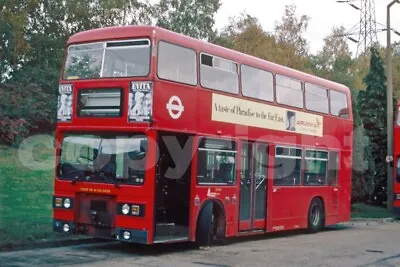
[79,150]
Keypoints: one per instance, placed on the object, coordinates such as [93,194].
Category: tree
[290,31]
[245,34]
[334,52]
[194,18]
[396,69]
[372,108]
[33,34]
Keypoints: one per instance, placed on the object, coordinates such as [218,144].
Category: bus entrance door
[173,187]
[253,182]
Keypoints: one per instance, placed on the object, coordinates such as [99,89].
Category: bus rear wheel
[315,216]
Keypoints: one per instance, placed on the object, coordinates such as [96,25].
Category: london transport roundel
[175,107]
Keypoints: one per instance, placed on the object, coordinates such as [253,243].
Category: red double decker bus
[396,160]
[165,138]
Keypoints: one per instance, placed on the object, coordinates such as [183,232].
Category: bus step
[171,231]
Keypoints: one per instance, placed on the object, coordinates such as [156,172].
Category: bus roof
[131,31]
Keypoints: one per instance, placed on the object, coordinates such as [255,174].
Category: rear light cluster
[130,209]
[63,202]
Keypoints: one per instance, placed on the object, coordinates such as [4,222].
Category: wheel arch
[218,211]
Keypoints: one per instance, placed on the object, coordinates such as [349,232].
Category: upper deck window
[339,104]
[219,74]
[177,63]
[128,58]
[316,98]
[257,83]
[289,91]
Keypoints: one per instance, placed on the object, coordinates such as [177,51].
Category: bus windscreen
[128,58]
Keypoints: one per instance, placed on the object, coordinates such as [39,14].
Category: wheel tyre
[205,226]
[315,216]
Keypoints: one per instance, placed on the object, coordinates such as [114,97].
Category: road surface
[358,244]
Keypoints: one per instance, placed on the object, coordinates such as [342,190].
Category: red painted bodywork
[287,207]
[396,156]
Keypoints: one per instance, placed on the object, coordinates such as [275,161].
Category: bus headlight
[131,209]
[125,209]
[66,228]
[67,203]
[126,235]
[63,202]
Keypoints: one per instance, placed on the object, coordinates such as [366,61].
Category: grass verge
[361,210]
[26,188]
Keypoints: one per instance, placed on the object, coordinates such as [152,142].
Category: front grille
[96,210]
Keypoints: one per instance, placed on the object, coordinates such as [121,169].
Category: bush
[363,166]
[12,130]
[24,110]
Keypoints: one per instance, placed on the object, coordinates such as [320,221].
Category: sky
[325,14]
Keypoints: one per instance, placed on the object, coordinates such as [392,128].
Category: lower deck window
[216,162]
[287,166]
[315,172]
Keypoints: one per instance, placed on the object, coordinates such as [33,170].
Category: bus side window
[316,168]
[257,83]
[177,63]
[316,98]
[338,104]
[219,74]
[289,91]
[287,166]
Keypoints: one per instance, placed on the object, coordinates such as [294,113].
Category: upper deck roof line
[111,32]
[119,32]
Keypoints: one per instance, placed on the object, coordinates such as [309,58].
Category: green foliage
[25,194]
[361,210]
[363,167]
[245,34]
[290,30]
[372,109]
[22,111]
[194,18]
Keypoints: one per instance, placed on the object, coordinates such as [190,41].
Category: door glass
[245,183]
[260,179]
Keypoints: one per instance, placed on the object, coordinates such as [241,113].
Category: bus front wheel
[315,215]
[204,229]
